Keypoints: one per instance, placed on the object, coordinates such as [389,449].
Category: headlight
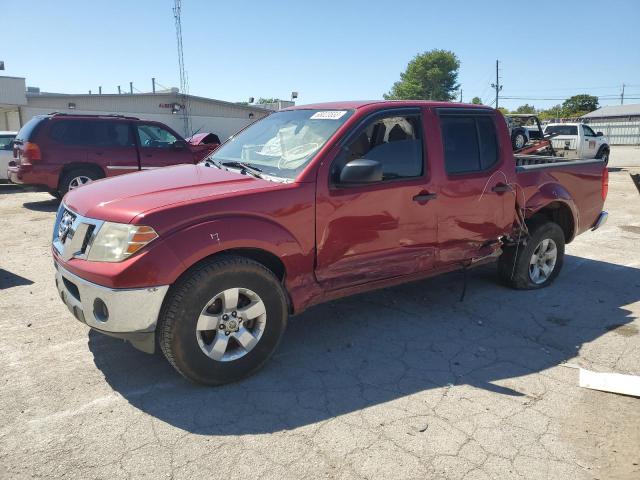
[117,241]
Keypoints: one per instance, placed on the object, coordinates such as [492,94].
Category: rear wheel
[76,178]
[222,320]
[538,263]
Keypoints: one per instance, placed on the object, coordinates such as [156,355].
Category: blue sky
[326,50]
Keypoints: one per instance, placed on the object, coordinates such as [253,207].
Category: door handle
[424,197]
[502,188]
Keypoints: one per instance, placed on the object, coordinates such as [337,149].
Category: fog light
[100,310]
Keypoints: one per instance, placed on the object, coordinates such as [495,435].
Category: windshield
[283,143]
[561,130]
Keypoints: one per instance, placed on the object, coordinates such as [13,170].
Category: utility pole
[119,90]
[184,81]
[460,94]
[497,85]
[622,95]
[131,88]
[153,85]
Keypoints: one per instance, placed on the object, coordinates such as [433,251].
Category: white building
[17,106]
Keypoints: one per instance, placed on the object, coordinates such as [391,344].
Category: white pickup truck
[577,140]
[6,152]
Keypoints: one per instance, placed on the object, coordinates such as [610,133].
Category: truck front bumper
[130,314]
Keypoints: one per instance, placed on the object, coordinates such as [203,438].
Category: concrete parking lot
[407,382]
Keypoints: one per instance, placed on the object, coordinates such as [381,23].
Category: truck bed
[577,183]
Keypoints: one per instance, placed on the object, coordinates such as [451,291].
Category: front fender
[200,241]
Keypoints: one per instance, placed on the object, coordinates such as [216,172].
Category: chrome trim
[71,246]
[601,220]
[123,167]
[130,310]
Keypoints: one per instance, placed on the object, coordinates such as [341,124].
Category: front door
[386,229]
[477,196]
[159,147]
[590,143]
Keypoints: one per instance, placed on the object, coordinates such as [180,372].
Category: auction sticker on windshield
[328,115]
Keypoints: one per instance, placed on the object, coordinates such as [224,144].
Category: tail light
[605,183]
[31,152]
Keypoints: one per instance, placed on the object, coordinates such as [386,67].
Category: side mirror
[599,134]
[361,171]
[179,144]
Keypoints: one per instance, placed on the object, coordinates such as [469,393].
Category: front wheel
[538,263]
[222,320]
[603,155]
[518,141]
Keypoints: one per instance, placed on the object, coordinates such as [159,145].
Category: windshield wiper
[209,162]
[244,167]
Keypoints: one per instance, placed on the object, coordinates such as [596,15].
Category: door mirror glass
[179,144]
[600,134]
[361,171]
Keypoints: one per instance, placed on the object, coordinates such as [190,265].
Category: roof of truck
[355,104]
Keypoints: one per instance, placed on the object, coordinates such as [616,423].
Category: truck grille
[73,233]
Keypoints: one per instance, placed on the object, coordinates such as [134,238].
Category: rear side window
[68,132]
[561,130]
[29,129]
[470,143]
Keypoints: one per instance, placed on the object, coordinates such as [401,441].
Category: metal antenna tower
[184,80]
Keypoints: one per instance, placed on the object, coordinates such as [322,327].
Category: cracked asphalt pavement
[407,382]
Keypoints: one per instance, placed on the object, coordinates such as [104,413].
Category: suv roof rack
[107,115]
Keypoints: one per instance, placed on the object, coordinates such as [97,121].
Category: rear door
[160,147]
[379,230]
[476,201]
[111,145]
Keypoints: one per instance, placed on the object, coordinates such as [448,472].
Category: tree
[526,108]
[431,75]
[476,101]
[503,110]
[579,105]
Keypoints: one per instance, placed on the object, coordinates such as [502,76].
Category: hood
[122,198]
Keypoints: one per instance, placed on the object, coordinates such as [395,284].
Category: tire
[69,178]
[197,301]
[518,140]
[603,154]
[515,265]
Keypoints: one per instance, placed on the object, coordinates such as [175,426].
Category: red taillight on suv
[605,183]
[30,152]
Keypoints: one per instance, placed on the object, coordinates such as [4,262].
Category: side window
[6,142]
[588,132]
[108,134]
[68,132]
[470,143]
[395,142]
[153,136]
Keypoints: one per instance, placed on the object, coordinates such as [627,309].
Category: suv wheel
[222,320]
[76,178]
[538,263]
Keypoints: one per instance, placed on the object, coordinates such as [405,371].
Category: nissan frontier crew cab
[306,205]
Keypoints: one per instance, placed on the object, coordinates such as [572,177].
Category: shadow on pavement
[43,206]
[8,280]
[6,188]
[381,346]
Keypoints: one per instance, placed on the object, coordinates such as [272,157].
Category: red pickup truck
[59,152]
[307,205]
